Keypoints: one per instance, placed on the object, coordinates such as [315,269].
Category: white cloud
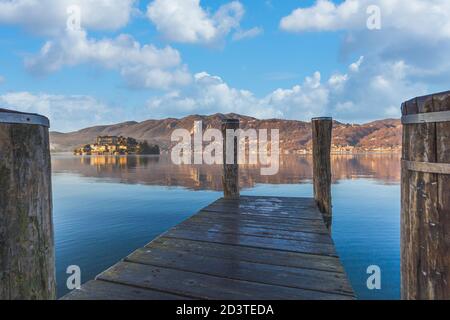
[210,94]
[141,65]
[429,18]
[66,113]
[407,57]
[187,22]
[373,92]
[370,93]
[338,81]
[324,15]
[49,17]
[247,34]
[415,31]
[355,66]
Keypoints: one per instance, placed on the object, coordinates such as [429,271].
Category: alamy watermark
[374,17]
[207,147]
[74,280]
[73,22]
[374,280]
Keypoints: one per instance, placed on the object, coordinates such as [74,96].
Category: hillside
[295,136]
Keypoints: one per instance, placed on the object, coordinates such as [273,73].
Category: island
[117,145]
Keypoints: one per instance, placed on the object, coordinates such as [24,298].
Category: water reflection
[159,170]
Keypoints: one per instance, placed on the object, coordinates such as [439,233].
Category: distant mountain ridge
[295,136]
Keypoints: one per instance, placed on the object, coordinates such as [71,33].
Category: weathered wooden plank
[427,167]
[315,226]
[426,204]
[263,202]
[442,233]
[423,191]
[274,209]
[103,290]
[203,286]
[287,200]
[251,241]
[231,227]
[218,255]
[258,255]
[243,270]
[306,214]
[295,203]
[405,230]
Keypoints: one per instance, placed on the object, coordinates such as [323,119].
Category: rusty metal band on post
[24,118]
[426,167]
[429,117]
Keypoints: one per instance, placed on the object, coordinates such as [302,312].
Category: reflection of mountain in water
[160,171]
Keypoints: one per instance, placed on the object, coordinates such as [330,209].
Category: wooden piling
[321,137]
[27,260]
[230,178]
[425,203]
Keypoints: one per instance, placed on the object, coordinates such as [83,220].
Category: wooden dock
[234,249]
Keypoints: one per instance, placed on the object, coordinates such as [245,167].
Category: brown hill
[295,136]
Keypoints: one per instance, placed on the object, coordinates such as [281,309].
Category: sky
[92,62]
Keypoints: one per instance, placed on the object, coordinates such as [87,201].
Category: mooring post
[425,198]
[230,177]
[27,260]
[321,138]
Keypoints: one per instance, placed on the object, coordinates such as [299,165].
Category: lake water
[106,207]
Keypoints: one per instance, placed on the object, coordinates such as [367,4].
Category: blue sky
[135,60]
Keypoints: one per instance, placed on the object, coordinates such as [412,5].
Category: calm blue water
[104,210]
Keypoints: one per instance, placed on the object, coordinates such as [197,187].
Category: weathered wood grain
[231,228]
[282,214]
[441,275]
[229,255]
[202,286]
[252,241]
[257,255]
[303,225]
[27,261]
[426,204]
[103,290]
[243,270]
[321,139]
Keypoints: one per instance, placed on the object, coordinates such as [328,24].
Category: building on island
[113,145]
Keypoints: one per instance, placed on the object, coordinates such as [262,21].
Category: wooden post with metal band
[425,198]
[27,259]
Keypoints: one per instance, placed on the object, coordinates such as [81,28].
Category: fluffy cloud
[407,57]
[141,65]
[187,22]
[416,31]
[363,93]
[324,15]
[50,17]
[366,93]
[210,94]
[373,91]
[66,113]
[429,18]
[247,34]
